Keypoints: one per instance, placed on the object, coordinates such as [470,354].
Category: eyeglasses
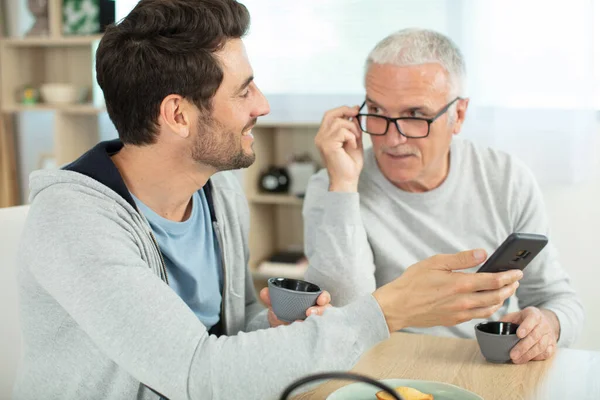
[410,127]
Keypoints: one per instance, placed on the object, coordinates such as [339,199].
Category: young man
[133,266]
[418,192]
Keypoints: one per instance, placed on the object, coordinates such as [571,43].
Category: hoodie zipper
[220,242]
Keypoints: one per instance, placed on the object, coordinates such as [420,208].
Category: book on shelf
[286,264]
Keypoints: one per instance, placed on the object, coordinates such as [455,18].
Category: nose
[393,136]
[262,105]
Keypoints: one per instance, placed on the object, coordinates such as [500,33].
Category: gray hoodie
[101,322]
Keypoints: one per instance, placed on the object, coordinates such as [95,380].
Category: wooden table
[570,374]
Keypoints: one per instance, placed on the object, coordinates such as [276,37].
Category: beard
[220,148]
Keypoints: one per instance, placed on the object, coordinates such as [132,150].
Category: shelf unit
[54,59]
[275,219]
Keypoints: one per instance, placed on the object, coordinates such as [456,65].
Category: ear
[461,113]
[175,113]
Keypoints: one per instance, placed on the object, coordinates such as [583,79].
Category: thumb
[359,142]
[264,296]
[515,318]
[462,260]
[359,138]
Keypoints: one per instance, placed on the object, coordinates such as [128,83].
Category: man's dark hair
[164,47]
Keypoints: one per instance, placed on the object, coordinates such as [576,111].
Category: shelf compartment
[275,199]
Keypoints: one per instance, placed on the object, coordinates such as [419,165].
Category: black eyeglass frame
[395,120]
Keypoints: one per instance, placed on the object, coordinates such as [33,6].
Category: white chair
[12,220]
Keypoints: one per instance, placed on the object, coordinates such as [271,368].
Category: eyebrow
[369,100]
[245,84]
[422,109]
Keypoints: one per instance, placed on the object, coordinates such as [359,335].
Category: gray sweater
[359,241]
[100,322]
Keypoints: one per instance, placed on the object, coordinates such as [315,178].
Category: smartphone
[517,251]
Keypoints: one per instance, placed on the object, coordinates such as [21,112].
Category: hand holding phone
[517,251]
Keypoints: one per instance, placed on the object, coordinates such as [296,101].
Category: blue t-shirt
[192,256]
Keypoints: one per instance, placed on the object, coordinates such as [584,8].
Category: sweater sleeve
[89,262]
[545,284]
[336,244]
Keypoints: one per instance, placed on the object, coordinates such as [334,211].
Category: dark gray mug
[290,298]
[496,340]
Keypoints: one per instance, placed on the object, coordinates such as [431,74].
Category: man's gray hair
[415,46]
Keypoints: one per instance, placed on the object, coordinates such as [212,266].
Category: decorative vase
[39,10]
[274,180]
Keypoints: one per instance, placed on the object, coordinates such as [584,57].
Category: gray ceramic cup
[290,298]
[496,340]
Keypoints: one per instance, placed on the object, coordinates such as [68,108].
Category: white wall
[575,221]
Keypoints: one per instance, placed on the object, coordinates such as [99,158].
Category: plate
[439,390]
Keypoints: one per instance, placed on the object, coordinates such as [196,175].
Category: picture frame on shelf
[80,17]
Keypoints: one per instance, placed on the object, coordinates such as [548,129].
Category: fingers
[531,320]
[333,128]
[477,313]
[338,134]
[324,298]
[535,332]
[264,296]
[532,346]
[359,136]
[344,112]
[342,124]
[317,310]
[514,318]
[462,260]
[538,341]
[489,298]
[273,320]
[481,305]
[550,350]
[349,139]
[491,281]
[322,304]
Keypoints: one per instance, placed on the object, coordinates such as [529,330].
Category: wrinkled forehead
[427,83]
[431,75]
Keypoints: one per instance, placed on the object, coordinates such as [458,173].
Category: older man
[417,191]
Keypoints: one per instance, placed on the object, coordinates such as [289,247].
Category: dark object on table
[274,180]
[496,339]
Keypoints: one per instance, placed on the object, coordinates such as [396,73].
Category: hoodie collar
[97,164]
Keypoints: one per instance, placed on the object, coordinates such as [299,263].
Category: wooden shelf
[50,41]
[260,276]
[283,199]
[86,109]
[31,61]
